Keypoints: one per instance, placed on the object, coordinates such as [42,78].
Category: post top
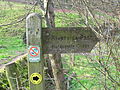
[33,14]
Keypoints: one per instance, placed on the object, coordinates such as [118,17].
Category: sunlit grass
[12,45]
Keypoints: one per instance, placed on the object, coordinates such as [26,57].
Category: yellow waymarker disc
[36,78]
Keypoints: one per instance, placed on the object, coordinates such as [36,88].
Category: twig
[41,5]
[62,8]
[77,80]
[108,73]
[93,17]
[21,18]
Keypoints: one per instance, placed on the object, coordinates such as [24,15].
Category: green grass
[83,72]
[69,20]
[11,35]
[87,75]
[12,45]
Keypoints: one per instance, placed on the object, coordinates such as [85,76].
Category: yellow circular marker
[36,78]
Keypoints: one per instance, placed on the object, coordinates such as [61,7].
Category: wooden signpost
[35,57]
[57,40]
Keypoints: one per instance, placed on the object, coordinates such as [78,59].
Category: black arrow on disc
[35,78]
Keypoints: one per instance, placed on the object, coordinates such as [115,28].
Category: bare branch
[20,20]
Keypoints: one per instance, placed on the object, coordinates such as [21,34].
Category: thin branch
[93,17]
[74,77]
[20,20]
[41,4]
[108,73]
[62,8]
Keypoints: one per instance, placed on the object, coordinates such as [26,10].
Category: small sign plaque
[34,53]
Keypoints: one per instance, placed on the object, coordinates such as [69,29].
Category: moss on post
[13,76]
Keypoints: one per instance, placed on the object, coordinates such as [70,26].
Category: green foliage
[11,45]
[68,20]
[23,72]
[3,81]
[83,73]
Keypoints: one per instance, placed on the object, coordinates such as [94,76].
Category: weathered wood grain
[33,29]
[68,40]
[13,75]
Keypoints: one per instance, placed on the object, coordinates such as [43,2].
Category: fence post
[13,76]
[35,57]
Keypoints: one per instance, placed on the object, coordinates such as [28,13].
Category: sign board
[36,78]
[68,40]
[34,53]
[51,41]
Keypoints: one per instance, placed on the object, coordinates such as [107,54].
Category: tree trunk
[55,59]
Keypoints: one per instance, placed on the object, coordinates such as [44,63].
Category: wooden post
[12,72]
[55,59]
[13,76]
[35,57]
[72,59]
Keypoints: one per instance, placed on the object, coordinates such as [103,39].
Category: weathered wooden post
[35,57]
[13,76]
[55,58]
